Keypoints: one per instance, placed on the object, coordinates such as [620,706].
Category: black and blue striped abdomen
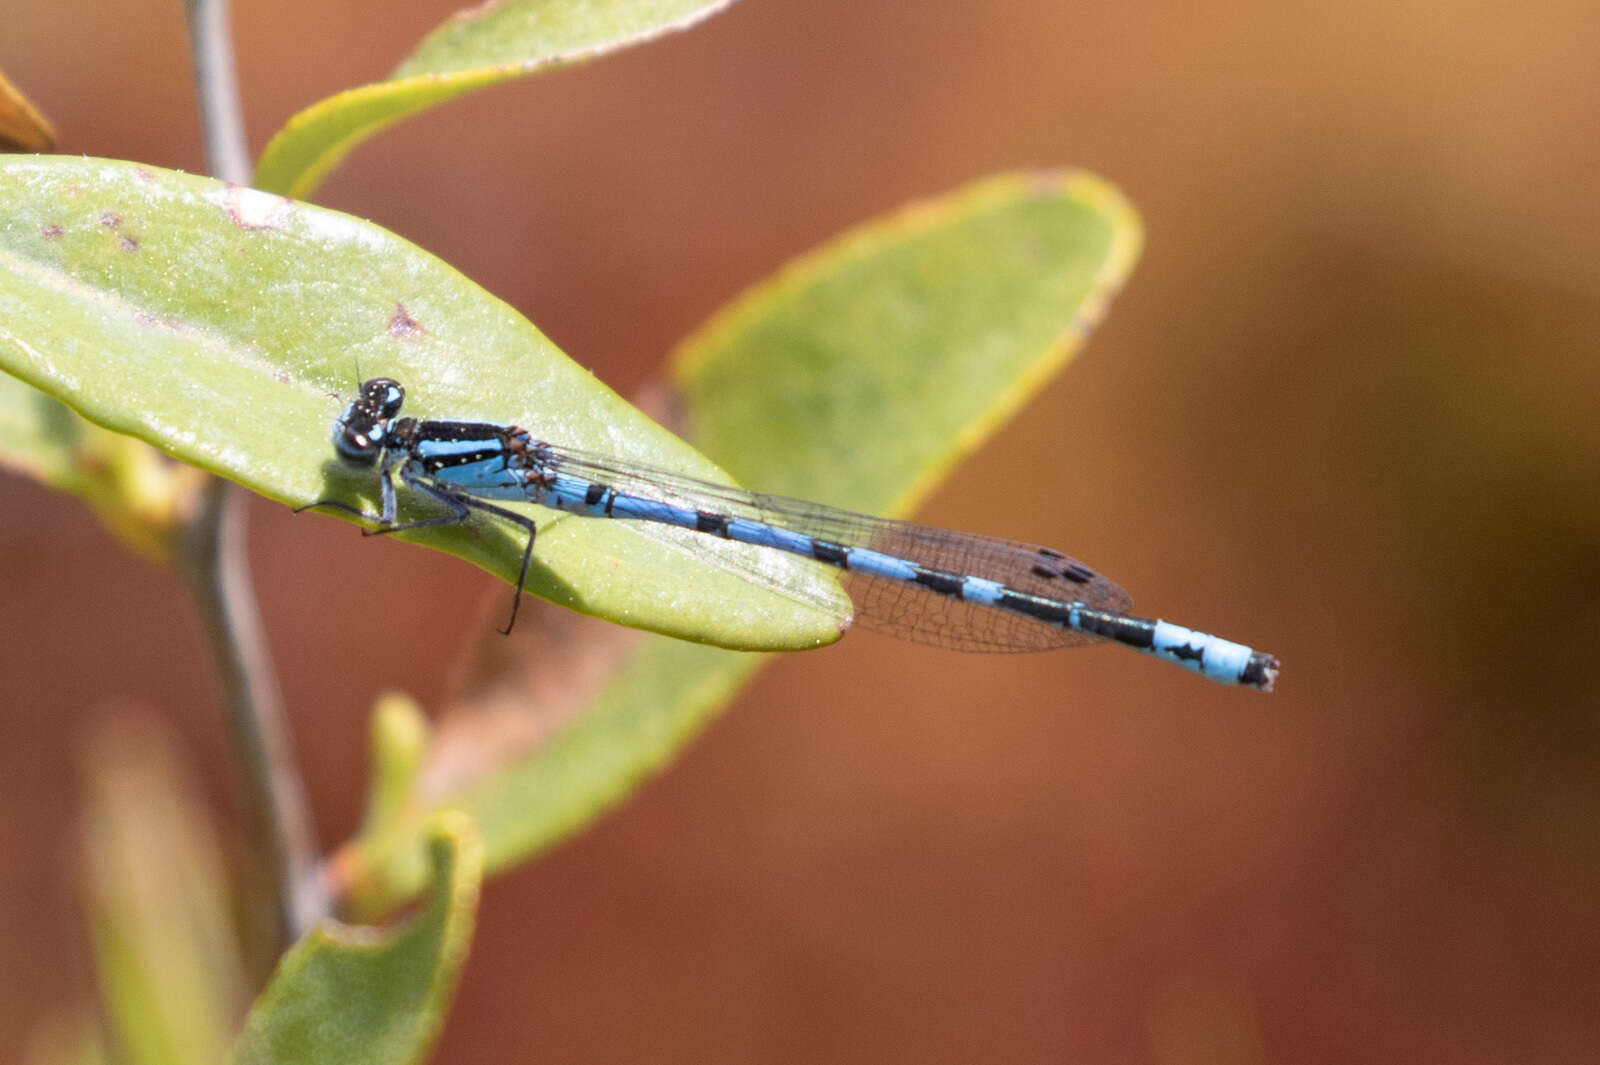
[930,585]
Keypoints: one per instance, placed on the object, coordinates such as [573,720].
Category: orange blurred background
[1345,411]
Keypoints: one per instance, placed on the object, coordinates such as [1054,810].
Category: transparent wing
[908,611]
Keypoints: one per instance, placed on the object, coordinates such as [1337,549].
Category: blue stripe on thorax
[487,477]
[436,449]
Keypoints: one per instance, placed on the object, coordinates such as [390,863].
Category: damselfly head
[359,434]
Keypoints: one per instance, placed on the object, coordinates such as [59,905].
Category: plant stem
[214,551]
[275,815]
[217,85]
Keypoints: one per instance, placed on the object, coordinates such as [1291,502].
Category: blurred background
[1345,411]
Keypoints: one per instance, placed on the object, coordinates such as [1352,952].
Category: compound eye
[383,396]
[359,435]
[357,446]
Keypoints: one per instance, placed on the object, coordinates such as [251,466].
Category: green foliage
[357,996]
[170,975]
[227,327]
[861,372]
[479,47]
[221,324]
[136,492]
[858,374]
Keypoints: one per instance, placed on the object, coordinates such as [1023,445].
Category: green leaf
[478,47]
[137,492]
[223,325]
[399,739]
[158,902]
[859,374]
[868,368]
[357,995]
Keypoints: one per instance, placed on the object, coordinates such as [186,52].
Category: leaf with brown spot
[231,335]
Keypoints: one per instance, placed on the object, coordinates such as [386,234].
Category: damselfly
[950,589]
